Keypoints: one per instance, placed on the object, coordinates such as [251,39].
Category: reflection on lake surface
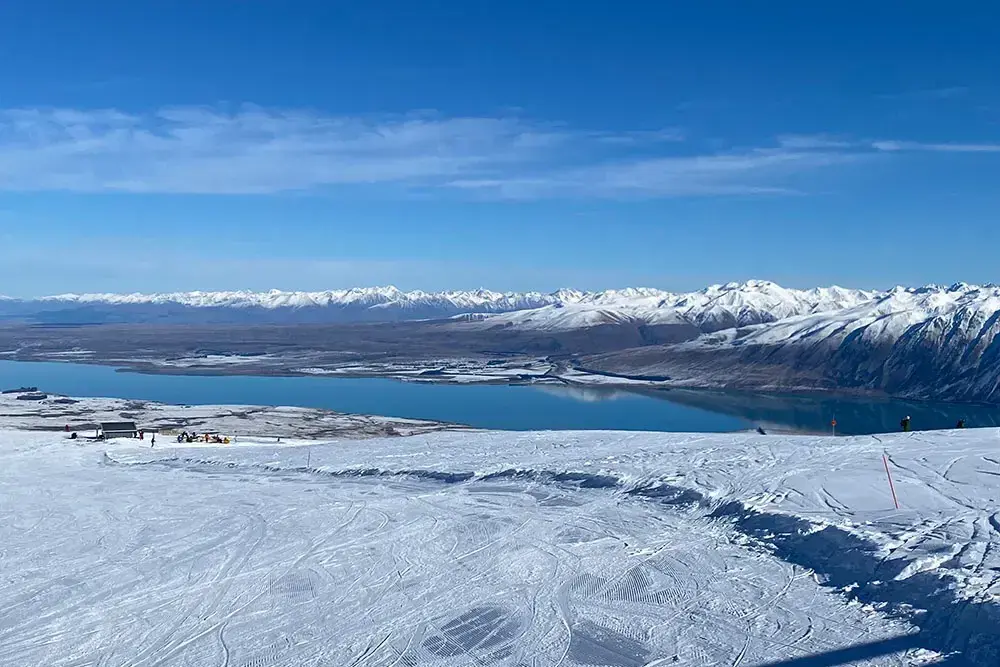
[506,407]
[854,415]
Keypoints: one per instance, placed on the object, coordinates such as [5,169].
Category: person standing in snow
[905,424]
[960,424]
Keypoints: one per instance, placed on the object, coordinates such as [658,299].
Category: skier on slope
[905,424]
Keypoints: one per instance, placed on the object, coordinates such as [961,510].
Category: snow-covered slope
[928,342]
[492,548]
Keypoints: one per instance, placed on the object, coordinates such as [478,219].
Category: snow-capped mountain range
[711,309]
[358,304]
[927,342]
[372,297]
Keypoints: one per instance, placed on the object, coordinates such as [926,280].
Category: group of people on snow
[905,424]
[184,436]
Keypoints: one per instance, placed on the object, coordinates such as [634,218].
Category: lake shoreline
[71,414]
[415,373]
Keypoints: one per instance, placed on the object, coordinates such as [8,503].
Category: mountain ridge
[930,342]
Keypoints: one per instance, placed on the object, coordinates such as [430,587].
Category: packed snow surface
[491,548]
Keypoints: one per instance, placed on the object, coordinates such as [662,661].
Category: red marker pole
[889,475]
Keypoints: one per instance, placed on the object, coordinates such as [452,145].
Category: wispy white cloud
[812,141]
[755,172]
[668,134]
[893,146]
[941,93]
[860,146]
[252,150]
[259,151]
[196,150]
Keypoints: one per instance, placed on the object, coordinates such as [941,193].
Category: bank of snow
[573,548]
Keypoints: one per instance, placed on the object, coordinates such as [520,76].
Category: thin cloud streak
[757,172]
[196,150]
[253,151]
[893,146]
[826,142]
[812,141]
[943,93]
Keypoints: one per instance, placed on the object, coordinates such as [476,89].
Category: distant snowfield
[491,548]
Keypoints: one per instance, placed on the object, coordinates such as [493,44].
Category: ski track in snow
[526,549]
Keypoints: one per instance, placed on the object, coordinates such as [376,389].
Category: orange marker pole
[892,489]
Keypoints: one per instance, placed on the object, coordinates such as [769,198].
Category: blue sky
[512,145]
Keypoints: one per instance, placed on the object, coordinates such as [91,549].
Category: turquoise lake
[527,407]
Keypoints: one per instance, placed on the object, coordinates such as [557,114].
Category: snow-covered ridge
[929,342]
[711,309]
